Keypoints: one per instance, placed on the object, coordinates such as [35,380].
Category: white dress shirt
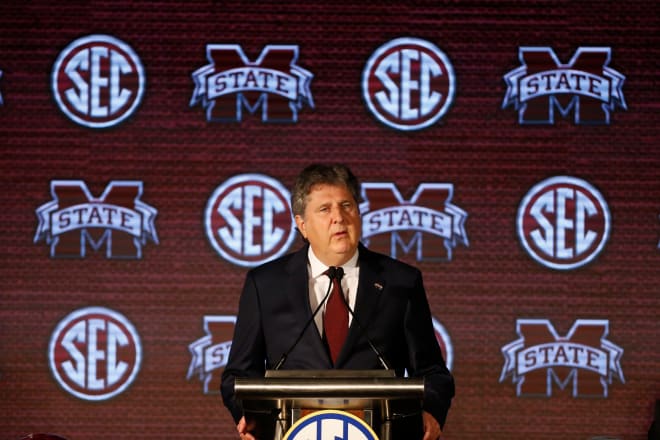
[319,283]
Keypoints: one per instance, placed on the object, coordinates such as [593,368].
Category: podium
[277,401]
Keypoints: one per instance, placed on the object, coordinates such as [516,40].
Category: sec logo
[330,425]
[446,346]
[408,84]
[563,222]
[95,353]
[98,81]
[248,220]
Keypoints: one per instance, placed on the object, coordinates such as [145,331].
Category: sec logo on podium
[330,425]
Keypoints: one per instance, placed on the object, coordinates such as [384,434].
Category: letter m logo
[427,226]
[583,361]
[585,86]
[75,221]
[231,83]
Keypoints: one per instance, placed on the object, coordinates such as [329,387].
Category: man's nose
[337,214]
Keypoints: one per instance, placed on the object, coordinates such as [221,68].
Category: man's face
[331,223]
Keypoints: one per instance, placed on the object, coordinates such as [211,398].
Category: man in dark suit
[387,296]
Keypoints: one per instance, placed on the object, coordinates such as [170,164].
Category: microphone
[333,273]
[379,355]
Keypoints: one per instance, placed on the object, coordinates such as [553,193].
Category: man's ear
[301,225]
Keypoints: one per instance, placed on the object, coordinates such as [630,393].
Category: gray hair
[320,174]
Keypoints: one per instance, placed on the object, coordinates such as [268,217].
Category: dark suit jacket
[391,307]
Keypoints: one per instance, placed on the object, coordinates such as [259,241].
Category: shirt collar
[317,268]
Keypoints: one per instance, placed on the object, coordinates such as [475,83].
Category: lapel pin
[378,286]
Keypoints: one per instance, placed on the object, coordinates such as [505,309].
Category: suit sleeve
[247,355]
[425,356]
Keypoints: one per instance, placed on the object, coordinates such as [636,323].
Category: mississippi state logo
[98,81]
[330,425]
[442,336]
[563,222]
[95,353]
[248,220]
[211,352]
[231,84]
[428,226]
[408,84]
[586,86]
[75,221]
[583,361]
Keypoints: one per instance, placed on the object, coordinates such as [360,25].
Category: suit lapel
[370,286]
[298,291]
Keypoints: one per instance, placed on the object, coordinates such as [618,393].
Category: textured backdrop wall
[508,149]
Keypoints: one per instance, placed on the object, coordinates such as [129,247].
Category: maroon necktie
[335,323]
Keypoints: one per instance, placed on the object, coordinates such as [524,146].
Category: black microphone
[333,272]
[379,355]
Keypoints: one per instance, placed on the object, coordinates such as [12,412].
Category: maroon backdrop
[479,294]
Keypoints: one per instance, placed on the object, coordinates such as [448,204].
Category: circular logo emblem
[330,425]
[95,353]
[445,343]
[249,221]
[563,222]
[408,84]
[98,81]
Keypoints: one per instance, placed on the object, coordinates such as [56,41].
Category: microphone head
[334,272]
